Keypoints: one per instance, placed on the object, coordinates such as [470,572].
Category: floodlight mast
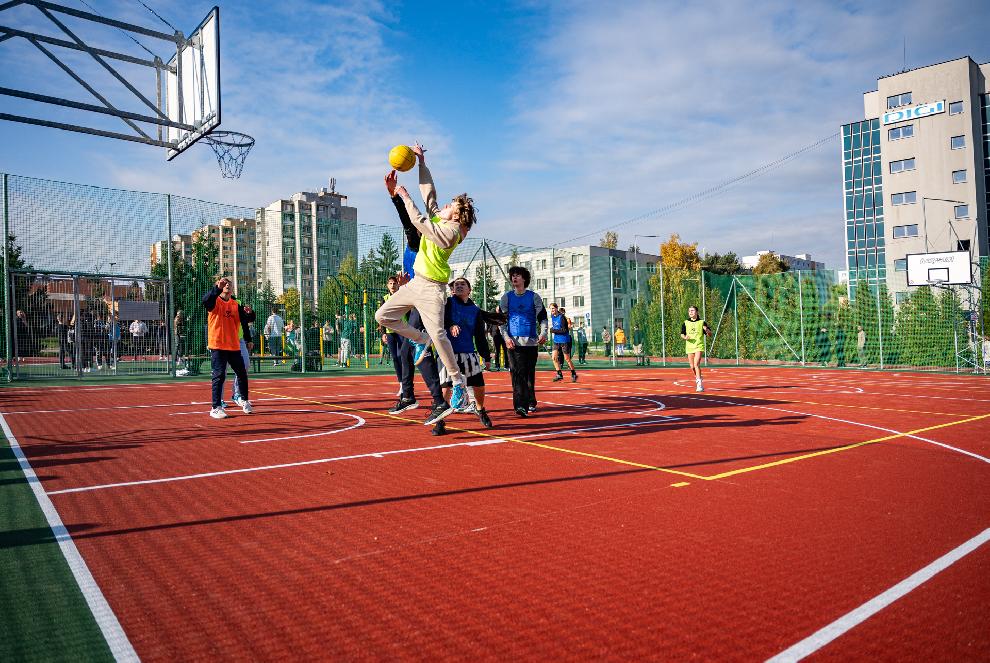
[160,119]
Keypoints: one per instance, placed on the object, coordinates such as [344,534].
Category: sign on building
[914,112]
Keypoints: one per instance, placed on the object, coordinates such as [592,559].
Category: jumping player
[427,365]
[691,331]
[441,232]
[560,328]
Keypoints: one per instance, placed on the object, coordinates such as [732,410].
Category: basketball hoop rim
[229,138]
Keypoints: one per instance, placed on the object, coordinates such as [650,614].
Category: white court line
[374,454]
[575,431]
[318,461]
[850,620]
[360,422]
[842,421]
[113,633]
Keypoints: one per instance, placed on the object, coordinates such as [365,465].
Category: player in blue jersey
[524,332]
[466,325]
[560,331]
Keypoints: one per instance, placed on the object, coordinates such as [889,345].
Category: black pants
[63,351]
[498,350]
[522,364]
[427,368]
[219,360]
[582,351]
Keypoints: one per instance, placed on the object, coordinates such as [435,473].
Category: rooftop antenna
[333,185]
[905,54]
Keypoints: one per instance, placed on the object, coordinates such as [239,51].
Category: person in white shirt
[138,331]
[273,332]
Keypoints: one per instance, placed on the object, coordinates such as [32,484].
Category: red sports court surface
[837,515]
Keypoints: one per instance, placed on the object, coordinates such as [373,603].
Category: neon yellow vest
[431,261]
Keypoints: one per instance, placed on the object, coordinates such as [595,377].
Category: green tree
[15,257]
[478,288]
[716,263]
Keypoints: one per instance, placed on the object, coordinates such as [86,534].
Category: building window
[541,284]
[962,245]
[955,108]
[578,301]
[901,297]
[899,100]
[561,302]
[958,176]
[577,279]
[617,302]
[898,133]
[900,265]
[957,142]
[902,165]
[560,262]
[541,264]
[961,211]
[906,231]
[575,261]
[906,198]
[558,281]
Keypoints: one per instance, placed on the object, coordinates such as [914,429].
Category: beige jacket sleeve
[429,190]
[445,234]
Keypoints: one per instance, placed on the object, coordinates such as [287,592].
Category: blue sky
[560,119]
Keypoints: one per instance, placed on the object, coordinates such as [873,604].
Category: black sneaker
[521,411]
[440,428]
[438,413]
[573,377]
[485,420]
[403,404]
[558,377]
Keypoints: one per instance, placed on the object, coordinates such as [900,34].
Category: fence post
[801,315]
[301,329]
[364,323]
[611,305]
[553,273]
[76,315]
[663,324]
[955,343]
[704,312]
[484,274]
[879,323]
[170,295]
[735,314]
[7,317]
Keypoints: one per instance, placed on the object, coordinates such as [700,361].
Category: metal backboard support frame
[152,113]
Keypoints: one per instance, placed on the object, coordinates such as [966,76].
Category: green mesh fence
[106,282]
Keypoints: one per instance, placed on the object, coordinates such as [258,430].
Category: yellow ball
[402,158]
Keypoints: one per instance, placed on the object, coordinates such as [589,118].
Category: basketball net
[231,149]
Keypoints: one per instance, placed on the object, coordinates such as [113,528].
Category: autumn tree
[610,240]
[679,255]
[770,263]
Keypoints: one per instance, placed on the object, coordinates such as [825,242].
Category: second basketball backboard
[948,268]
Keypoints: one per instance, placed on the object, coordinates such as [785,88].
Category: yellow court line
[491,436]
[843,448]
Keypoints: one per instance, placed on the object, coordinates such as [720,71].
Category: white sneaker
[245,405]
[181,372]
[698,386]
[218,413]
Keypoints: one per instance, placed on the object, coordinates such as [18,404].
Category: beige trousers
[429,298]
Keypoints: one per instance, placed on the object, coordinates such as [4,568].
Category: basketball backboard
[948,268]
[185,111]
[193,86]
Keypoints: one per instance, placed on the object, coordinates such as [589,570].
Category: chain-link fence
[103,282]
